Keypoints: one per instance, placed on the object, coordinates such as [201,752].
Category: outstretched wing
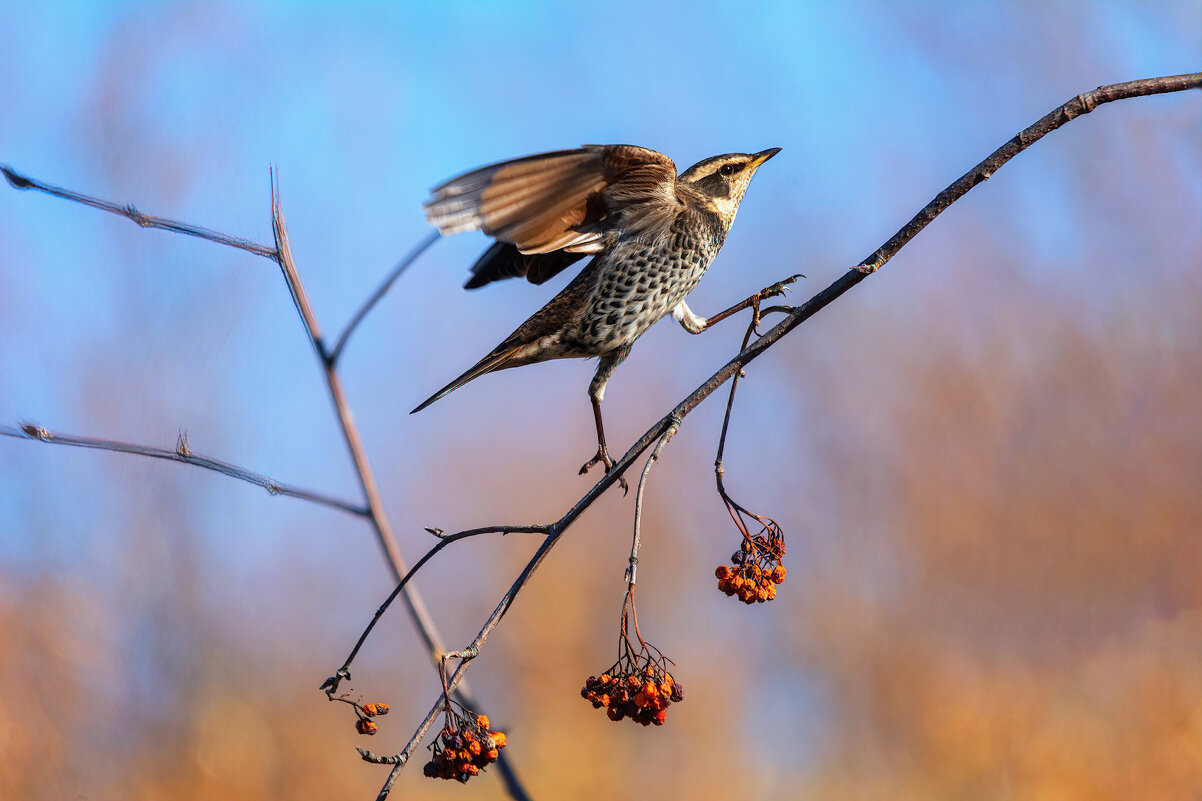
[567,201]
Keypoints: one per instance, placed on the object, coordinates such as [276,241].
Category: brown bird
[651,232]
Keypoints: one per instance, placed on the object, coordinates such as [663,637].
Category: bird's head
[721,181]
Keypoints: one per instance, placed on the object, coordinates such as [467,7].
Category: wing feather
[568,199]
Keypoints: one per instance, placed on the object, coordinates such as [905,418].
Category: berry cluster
[465,748]
[640,693]
[364,724]
[755,568]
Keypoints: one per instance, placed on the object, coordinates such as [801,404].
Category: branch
[331,684]
[1079,105]
[282,255]
[128,211]
[184,455]
[632,569]
[418,611]
[381,290]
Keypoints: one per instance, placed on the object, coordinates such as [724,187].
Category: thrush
[651,233]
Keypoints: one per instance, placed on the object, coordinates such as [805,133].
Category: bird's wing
[567,200]
[504,260]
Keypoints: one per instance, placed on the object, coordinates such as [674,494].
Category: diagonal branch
[381,290]
[183,454]
[19,181]
[1061,115]
[1081,104]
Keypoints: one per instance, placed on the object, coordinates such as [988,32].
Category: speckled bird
[652,235]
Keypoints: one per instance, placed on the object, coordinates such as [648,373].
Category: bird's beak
[762,156]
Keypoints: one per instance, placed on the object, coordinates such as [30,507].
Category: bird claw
[602,457]
[779,289]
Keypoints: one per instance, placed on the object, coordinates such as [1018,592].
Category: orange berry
[365,726]
[650,689]
[633,681]
[473,748]
[615,713]
[660,717]
[469,769]
[499,738]
[492,755]
[778,575]
[640,699]
[482,721]
[369,709]
[450,755]
[381,709]
[722,571]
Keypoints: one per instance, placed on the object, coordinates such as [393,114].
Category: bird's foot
[779,289]
[602,457]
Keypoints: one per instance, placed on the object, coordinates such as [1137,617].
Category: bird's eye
[728,169]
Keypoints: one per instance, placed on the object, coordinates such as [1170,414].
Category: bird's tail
[499,359]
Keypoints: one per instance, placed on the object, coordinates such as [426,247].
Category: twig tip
[15,179]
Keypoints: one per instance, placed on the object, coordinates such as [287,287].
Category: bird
[652,235]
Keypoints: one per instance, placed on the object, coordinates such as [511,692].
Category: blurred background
[987,458]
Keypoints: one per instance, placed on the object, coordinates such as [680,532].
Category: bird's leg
[602,452]
[602,456]
[695,325]
[596,393]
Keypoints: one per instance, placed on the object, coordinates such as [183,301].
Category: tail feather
[497,360]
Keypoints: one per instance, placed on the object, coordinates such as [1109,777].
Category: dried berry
[638,688]
[756,567]
[465,746]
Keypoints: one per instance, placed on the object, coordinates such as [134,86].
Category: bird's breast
[640,282]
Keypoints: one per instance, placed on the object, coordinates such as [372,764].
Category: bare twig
[374,512]
[331,684]
[184,455]
[1081,104]
[632,569]
[418,611]
[381,290]
[146,221]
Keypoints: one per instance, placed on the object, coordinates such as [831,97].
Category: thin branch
[331,684]
[381,290]
[19,181]
[414,603]
[184,455]
[632,569]
[1081,104]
